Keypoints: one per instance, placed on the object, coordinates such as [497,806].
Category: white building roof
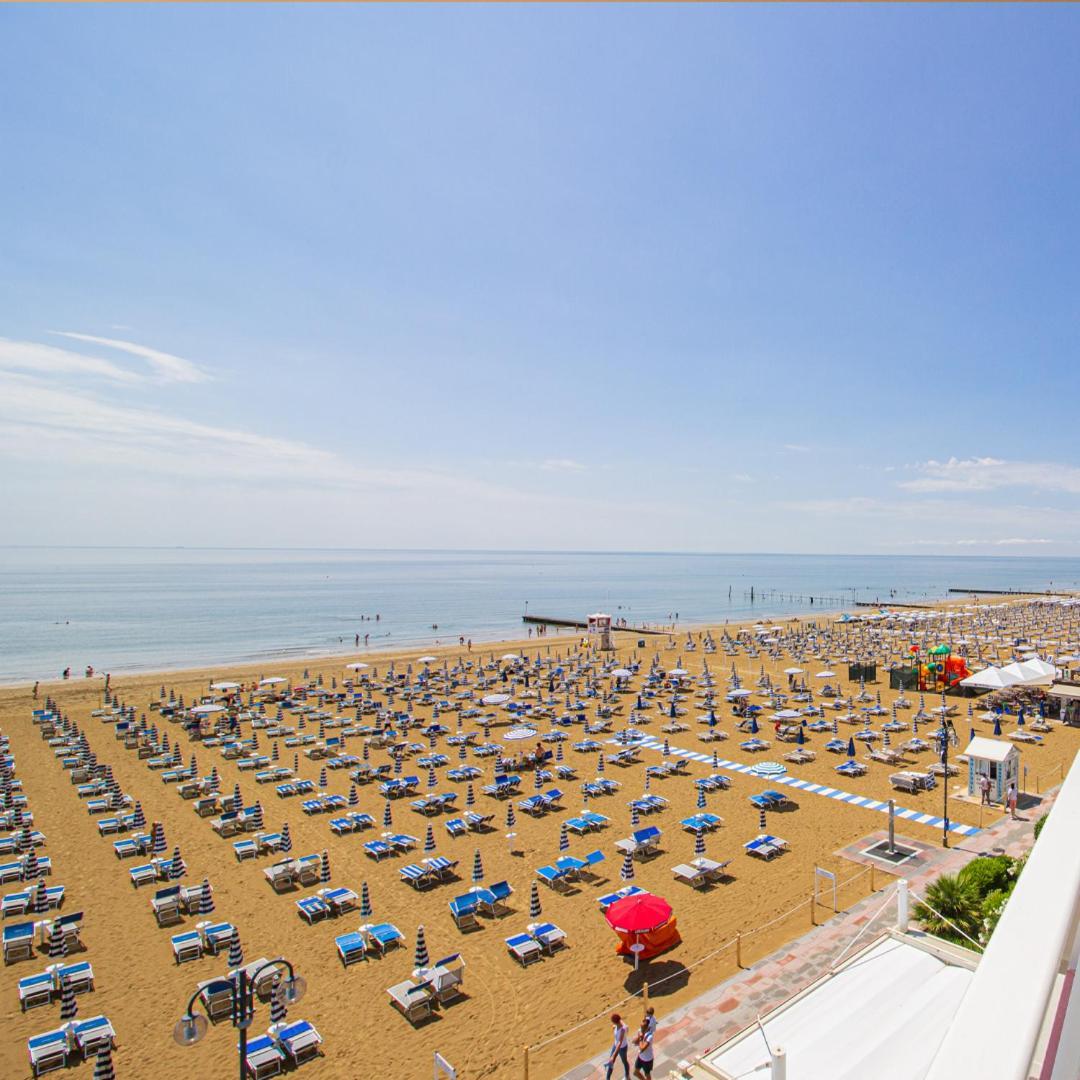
[882,1014]
[989,749]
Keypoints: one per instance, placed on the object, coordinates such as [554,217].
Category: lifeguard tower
[599,631]
[994,758]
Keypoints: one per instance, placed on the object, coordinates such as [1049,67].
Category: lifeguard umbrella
[638,914]
[495,699]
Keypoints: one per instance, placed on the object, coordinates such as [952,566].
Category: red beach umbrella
[638,914]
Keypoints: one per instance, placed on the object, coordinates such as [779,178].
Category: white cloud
[562,465]
[1011,541]
[49,360]
[168,367]
[989,474]
[795,448]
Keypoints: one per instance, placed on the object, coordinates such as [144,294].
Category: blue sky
[721,279]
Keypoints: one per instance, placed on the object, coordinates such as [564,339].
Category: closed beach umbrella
[801,736]
[761,821]
[885,740]
[715,760]
[432,779]
[354,796]
[564,837]
[286,839]
[206,899]
[365,901]
[462,753]
[237,798]
[997,723]
[278,1008]
[387,815]
[138,818]
[559,751]
[470,795]
[429,838]
[667,748]
[511,817]
[57,942]
[534,902]
[600,762]
[1020,717]
[366,752]
[69,1005]
[635,819]
[477,867]
[322,778]
[324,867]
[397,764]
[835,726]
[753,725]
[236,951]
[177,869]
[420,953]
[30,869]
[103,1066]
[157,839]
[41,898]
[257,816]
[701,798]
[914,726]
[538,778]
[627,871]
[275,753]
[851,747]
[296,764]
[699,842]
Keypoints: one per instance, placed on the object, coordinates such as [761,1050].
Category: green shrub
[992,907]
[985,875]
[959,906]
[1039,825]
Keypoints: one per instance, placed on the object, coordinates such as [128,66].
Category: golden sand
[143,992]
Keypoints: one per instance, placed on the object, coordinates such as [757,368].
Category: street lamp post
[948,735]
[191,1027]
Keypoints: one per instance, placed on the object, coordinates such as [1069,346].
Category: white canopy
[991,678]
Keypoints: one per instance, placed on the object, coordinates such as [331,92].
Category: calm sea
[145,609]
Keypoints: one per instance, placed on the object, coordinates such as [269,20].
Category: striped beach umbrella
[323,781]
[103,1066]
[635,818]
[257,816]
[41,898]
[701,804]
[699,841]
[324,867]
[158,845]
[69,1005]
[715,760]
[462,753]
[177,868]
[286,839]
[667,748]
[432,779]
[206,899]
[477,867]
[275,752]
[30,867]
[237,799]
[470,795]
[354,796]
[420,953]
[534,901]
[538,778]
[57,942]
[365,901]
[387,815]
[647,782]
[278,1009]
[915,726]
[885,740]
[559,756]
[429,838]
[761,821]
[397,764]
[236,950]
[365,752]
[835,726]
[600,762]
[215,779]
[511,816]
[301,724]
[296,764]
[564,837]
[627,871]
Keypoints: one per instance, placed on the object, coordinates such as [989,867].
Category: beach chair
[440,867]
[578,825]
[377,849]
[534,805]
[298,1038]
[852,768]
[312,908]
[264,1057]
[216,936]
[628,890]
[18,942]
[419,877]
[350,948]
[456,827]
[463,911]
[413,1000]
[524,948]
[492,900]
[553,877]
[48,1051]
[281,875]
[90,1036]
[79,976]
[762,848]
[245,849]
[446,978]
[479,822]
[339,900]
[187,946]
[547,935]
[36,990]
[165,904]
[596,821]
[381,937]
[690,875]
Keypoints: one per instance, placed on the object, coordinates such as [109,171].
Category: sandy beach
[143,992]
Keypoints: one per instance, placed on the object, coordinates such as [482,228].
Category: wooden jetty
[581,624]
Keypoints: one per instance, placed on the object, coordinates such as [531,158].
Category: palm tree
[955,907]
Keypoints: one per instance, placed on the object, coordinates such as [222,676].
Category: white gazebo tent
[991,678]
[995,758]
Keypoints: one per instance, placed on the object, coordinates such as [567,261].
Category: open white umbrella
[358,666]
[224,686]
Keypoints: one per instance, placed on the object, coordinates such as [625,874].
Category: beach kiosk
[645,925]
[599,631]
[995,758]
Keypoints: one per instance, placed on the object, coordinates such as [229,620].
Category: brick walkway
[726,1009]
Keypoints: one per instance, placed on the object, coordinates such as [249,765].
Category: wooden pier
[580,624]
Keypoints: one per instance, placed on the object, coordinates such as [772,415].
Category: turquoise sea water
[145,609]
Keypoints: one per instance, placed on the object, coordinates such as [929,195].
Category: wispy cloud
[562,465]
[48,360]
[795,448]
[169,368]
[1010,541]
[989,474]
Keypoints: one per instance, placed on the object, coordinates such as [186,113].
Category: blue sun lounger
[456,827]
[187,946]
[524,948]
[312,908]
[463,911]
[552,876]
[377,850]
[548,936]
[419,877]
[92,1035]
[264,1057]
[48,1051]
[381,936]
[299,1039]
[350,948]
[630,890]
[492,900]
[36,990]
[18,942]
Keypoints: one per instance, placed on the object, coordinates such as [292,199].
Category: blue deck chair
[350,948]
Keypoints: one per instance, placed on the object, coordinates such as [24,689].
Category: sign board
[443,1066]
[830,879]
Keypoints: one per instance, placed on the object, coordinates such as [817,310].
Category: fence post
[525,1062]
[813,913]
[738,949]
[645,993]
[872,889]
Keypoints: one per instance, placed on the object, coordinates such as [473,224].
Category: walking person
[1010,800]
[644,1041]
[984,786]
[619,1047]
